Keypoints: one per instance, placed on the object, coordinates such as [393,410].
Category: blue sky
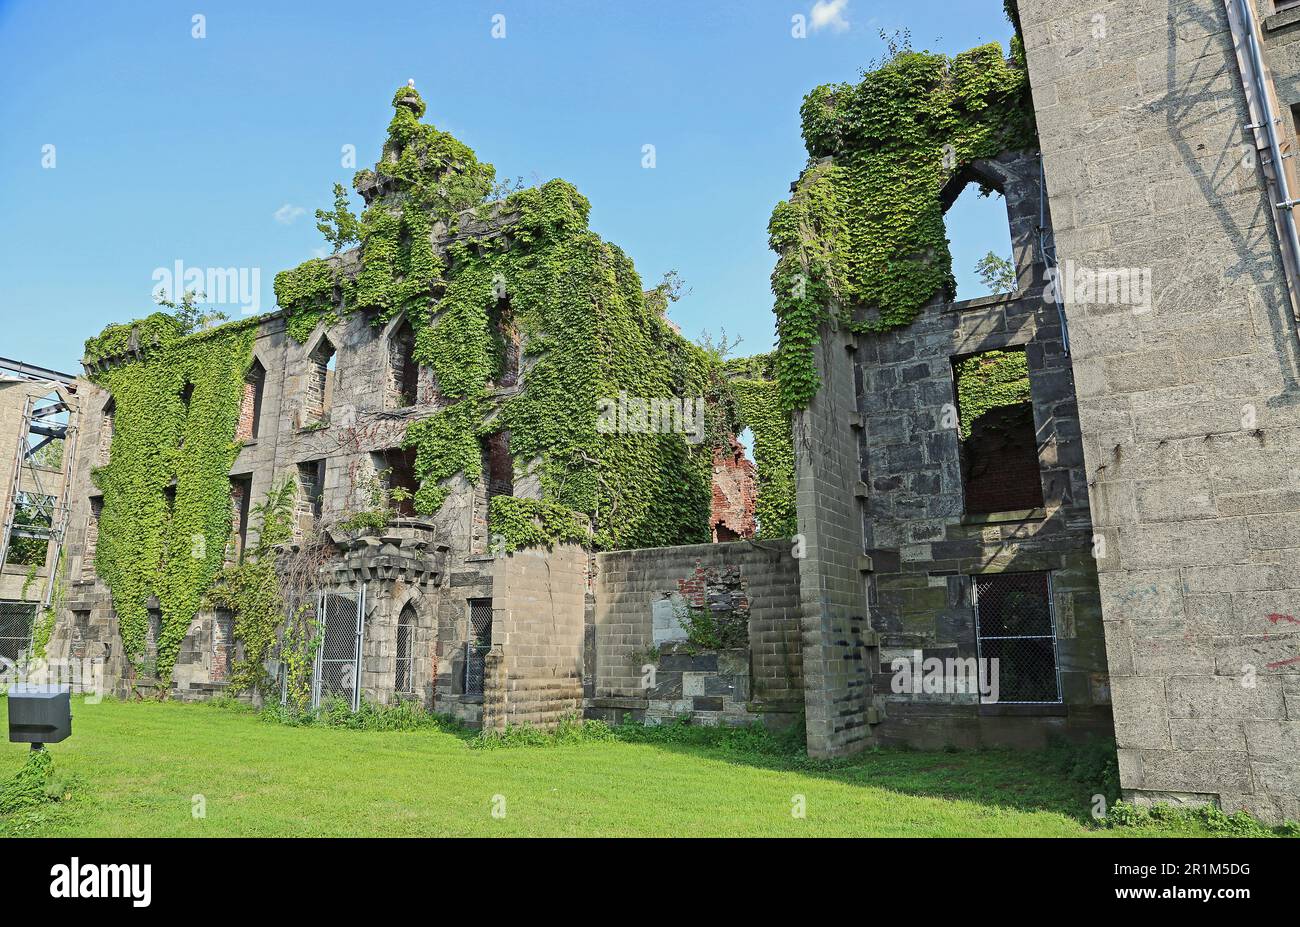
[216,151]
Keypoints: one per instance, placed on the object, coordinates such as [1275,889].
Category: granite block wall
[1189,404]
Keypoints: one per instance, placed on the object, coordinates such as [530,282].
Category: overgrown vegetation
[167,517]
[250,590]
[524,267]
[336,712]
[33,788]
[988,381]
[707,630]
[862,239]
[527,266]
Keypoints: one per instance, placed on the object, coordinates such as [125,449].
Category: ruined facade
[1097,495]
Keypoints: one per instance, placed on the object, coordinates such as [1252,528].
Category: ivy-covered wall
[434,249]
[167,511]
[863,234]
[467,272]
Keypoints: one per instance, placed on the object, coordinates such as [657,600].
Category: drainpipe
[1269,122]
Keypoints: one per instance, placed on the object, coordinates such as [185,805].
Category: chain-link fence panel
[337,662]
[16,622]
[1014,626]
[478,645]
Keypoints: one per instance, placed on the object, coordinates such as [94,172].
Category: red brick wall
[1000,462]
[734,489]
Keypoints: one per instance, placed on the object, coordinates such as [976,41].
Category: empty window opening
[979,239]
[498,466]
[735,489]
[403,372]
[107,427]
[999,442]
[311,495]
[478,644]
[153,631]
[507,338]
[241,492]
[223,650]
[322,377]
[169,498]
[31,531]
[250,410]
[92,537]
[187,398]
[396,470]
[1015,626]
[403,676]
[47,429]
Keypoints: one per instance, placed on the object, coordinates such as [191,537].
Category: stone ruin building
[1090,477]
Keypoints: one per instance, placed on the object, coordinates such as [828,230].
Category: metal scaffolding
[34,510]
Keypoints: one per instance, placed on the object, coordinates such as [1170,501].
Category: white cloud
[829,13]
[286,214]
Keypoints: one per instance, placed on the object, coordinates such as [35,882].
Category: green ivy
[989,381]
[532,523]
[250,589]
[759,408]
[862,238]
[148,547]
[576,301]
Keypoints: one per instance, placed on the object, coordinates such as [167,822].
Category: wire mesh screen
[1013,622]
[403,682]
[477,647]
[16,621]
[336,666]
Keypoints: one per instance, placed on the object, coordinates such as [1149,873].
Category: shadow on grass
[1062,779]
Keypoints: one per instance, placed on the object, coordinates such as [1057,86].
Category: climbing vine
[862,238]
[989,381]
[531,267]
[167,513]
[250,590]
[758,404]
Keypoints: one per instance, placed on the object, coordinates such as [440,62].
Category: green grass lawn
[136,768]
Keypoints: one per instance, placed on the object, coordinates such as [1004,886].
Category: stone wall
[1188,404]
[639,663]
[927,547]
[839,649]
[538,608]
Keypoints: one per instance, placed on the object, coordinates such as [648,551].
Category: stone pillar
[1189,391]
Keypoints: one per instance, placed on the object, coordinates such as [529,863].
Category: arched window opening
[979,238]
[107,427]
[250,410]
[403,372]
[321,381]
[503,325]
[404,676]
[735,489]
